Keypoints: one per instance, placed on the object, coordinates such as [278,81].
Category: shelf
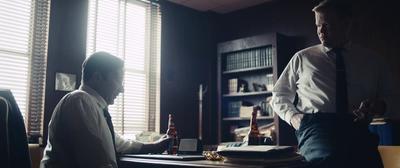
[247,70]
[248,94]
[246,118]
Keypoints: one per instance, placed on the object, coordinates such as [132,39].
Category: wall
[292,18]
[376,29]
[188,50]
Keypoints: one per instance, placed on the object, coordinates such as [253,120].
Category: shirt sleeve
[127,146]
[284,91]
[84,134]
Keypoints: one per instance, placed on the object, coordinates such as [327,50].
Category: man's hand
[296,120]
[158,146]
[162,144]
[369,109]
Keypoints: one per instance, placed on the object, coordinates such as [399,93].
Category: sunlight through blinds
[23,54]
[130,29]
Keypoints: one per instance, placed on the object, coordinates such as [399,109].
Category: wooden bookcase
[242,62]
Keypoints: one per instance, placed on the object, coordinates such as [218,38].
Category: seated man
[81,134]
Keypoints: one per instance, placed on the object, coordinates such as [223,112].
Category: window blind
[23,54]
[130,29]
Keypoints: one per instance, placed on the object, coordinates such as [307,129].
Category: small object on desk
[212,155]
[190,146]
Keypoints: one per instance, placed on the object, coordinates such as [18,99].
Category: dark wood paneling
[66,48]
[188,59]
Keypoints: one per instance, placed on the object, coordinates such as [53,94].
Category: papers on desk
[166,157]
[257,148]
[261,154]
[256,151]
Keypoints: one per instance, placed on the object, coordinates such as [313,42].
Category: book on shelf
[245,111]
[235,107]
[269,56]
[270,82]
[266,108]
[258,57]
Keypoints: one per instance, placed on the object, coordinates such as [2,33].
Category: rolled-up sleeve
[284,91]
[127,146]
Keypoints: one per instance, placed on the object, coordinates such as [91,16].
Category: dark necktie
[341,86]
[111,127]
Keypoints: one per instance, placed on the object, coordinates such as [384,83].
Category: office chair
[13,140]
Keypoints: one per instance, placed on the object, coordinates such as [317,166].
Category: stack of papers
[261,154]
[256,151]
[166,157]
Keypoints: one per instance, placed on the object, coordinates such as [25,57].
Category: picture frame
[65,82]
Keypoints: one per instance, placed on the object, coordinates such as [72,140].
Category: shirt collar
[100,101]
[325,49]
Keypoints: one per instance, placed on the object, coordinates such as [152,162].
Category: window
[130,29]
[23,53]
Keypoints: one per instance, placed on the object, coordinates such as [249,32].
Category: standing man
[339,88]
[81,134]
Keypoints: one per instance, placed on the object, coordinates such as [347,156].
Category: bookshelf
[247,69]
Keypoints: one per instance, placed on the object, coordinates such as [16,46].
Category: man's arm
[284,93]
[131,146]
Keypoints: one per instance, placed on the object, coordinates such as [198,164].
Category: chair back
[4,142]
[14,142]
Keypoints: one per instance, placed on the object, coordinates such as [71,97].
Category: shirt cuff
[136,147]
[289,115]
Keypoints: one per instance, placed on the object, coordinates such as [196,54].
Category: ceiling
[218,6]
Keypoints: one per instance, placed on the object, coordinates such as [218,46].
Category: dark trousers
[332,140]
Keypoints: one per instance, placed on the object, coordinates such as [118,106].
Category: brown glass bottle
[254,134]
[173,133]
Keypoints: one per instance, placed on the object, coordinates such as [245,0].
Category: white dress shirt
[79,136]
[311,74]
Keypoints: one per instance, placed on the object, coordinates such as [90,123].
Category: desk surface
[128,162]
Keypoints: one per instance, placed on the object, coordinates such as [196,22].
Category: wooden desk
[127,162]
